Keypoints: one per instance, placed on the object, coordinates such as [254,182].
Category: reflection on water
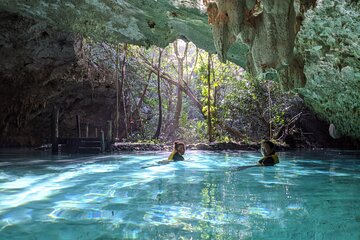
[309,195]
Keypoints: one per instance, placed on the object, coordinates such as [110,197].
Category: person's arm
[261,161]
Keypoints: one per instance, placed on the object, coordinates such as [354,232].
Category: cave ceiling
[255,34]
[141,22]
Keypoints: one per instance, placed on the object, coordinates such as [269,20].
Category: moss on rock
[329,44]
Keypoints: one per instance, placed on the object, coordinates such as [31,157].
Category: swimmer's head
[179,147]
[267,147]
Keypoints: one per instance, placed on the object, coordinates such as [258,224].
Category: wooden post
[102,141]
[55,130]
[87,130]
[109,134]
[96,132]
[78,127]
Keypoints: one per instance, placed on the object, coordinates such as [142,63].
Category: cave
[42,50]
[179,119]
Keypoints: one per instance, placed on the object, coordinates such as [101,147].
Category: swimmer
[178,152]
[176,155]
[270,157]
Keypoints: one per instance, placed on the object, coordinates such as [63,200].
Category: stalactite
[267,27]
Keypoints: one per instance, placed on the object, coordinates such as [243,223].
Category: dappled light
[205,195]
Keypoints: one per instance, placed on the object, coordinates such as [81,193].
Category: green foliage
[236,98]
[225,139]
[148,141]
[195,130]
[242,101]
[220,75]
[329,44]
[246,105]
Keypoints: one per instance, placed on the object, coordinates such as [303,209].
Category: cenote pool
[309,195]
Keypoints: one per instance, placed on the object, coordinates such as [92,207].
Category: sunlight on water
[309,195]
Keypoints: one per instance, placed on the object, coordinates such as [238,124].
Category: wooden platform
[81,145]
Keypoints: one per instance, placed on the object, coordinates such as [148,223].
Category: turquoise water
[309,195]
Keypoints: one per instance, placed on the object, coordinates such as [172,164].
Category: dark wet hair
[177,144]
[270,143]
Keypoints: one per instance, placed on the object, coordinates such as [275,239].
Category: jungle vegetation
[183,92]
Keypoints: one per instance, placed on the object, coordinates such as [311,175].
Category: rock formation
[40,68]
[329,44]
[257,34]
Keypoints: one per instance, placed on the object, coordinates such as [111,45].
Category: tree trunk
[117,93]
[157,133]
[175,123]
[269,96]
[123,77]
[232,131]
[141,100]
[209,100]
[136,114]
[168,117]
[55,130]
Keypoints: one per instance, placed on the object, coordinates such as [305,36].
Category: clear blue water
[309,195]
